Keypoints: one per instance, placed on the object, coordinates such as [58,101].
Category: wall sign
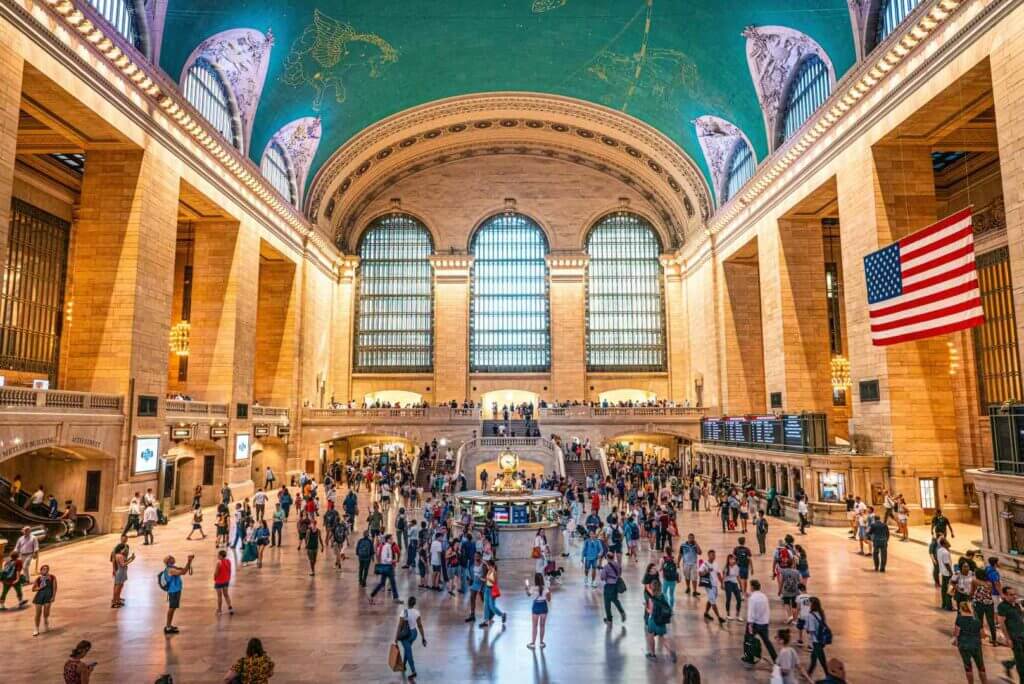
[242,446]
[147,455]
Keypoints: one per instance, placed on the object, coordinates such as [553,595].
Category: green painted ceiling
[409,52]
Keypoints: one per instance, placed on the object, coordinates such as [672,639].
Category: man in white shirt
[269,479]
[149,520]
[945,571]
[802,511]
[134,515]
[39,496]
[436,550]
[259,500]
[27,547]
[759,616]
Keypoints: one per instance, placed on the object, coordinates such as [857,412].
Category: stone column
[884,195]
[342,333]
[742,347]
[567,272]
[677,340]
[277,334]
[794,314]
[11,69]
[451,326]
[121,276]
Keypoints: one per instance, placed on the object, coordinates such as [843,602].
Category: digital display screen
[806,432]
[793,430]
[500,513]
[520,515]
[147,452]
[242,446]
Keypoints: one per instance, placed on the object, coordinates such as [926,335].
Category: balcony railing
[58,401]
[269,412]
[632,411]
[431,413]
[184,407]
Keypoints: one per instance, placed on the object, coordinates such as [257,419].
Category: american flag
[926,284]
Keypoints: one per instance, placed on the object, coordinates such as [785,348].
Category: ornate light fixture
[179,338]
[840,373]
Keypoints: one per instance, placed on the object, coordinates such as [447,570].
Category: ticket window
[831,487]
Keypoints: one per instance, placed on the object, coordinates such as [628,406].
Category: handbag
[495,590]
[620,586]
[535,554]
[395,661]
[380,568]
[404,631]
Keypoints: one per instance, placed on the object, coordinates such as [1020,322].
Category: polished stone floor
[321,629]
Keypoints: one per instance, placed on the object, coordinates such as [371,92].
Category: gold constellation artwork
[327,50]
[542,6]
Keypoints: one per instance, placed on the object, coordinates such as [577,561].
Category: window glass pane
[995,340]
[31,315]
[395,320]
[741,169]
[121,15]
[275,167]
[509,316]
[927,493]
[891,14]
[625,317]
[205,90]
[809,90]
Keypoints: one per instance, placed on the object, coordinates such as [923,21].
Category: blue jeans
[407,651]
[490,607]
[239,536]
[668,587]
[386,577]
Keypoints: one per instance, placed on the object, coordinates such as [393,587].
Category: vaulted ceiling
[352,63]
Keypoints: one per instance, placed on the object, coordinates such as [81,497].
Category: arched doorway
[272,452]
[197,463]
[505,397]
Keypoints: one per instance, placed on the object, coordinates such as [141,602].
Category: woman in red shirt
[221,581]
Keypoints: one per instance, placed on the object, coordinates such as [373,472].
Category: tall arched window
[625,315]
[808,91]
[277,170]
[891,14]
[741,169]
[509,315]
[395,319]
[122,16]
[205,90]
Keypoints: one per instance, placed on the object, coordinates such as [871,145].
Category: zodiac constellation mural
[541,6]
[327,50]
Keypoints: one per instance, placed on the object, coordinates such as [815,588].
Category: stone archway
[191,464]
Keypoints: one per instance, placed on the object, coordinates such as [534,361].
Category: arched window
[891,14]
[808,91]
[741,169]
[275,168]
[205,90]
[122,16]
[509,315]
[395,319]
[625,315]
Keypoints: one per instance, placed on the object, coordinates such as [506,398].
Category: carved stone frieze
[718,139]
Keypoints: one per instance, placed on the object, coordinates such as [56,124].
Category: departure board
[806,432]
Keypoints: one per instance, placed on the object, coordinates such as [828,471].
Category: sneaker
[471,618]
[504,617]
[35,632]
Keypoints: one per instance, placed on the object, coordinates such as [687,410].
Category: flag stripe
[943,322]
[923,334]
[934,280]
[937,240]
[951,243]
[924,233]
[937,295]
[940,270]
[969,301]
[940,260]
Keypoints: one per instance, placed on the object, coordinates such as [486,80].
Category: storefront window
[831,487]
[1015,519]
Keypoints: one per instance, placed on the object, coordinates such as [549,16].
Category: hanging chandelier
[179,342]
[840,373]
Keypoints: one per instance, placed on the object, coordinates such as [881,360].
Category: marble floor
[321,629]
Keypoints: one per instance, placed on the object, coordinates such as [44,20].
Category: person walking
[819,633]
[942,555]
[878,532]
[410,625]
[803,511]
[387,554]
[711,579]
[492,590]
[731,579]
[149,521]
[314,540]
[76,670]
[611,576]
[364,554]
[27,547]
[45,589]
[669,576]
[170,581]
[689,554]
[11,576]
[255,667]
[759,617]
[197,523]
[221,582]
[967,639]
[761,532]
[538,610]
[277,528]
[1011,620]
[659,617]
[119,567]
[259,501]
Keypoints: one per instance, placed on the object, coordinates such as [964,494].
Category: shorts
[712,593]
[312,553]
[744,572]
[969,654]
[221,585]
[589,565]
[800,624]
[173,599]
[435,568]
[690,572]
[631,544]
[221,530]
[540,608]
[805,574]
[655,629]
[744,516]
[789,601]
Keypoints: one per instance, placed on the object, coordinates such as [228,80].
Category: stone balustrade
[431,414]
[195,409]
[628,411]
[270,412]
[58,401]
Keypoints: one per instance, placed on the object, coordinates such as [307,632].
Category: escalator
[14,516]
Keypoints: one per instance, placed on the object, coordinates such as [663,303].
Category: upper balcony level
[349,416]
[33,419]
[27,400]
[605,413]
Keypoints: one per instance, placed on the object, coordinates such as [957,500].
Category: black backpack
[691,675]
[662,614]
[364,549]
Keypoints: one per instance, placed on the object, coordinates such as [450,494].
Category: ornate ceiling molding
[242,57]
[349,208]
[774,54]
[718,139]
[300,140]
[532,119]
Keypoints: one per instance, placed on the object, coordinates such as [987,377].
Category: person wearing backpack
[410,625]
[669,576]
[169,579]
[820,635]
[11,579]
[660,615]
[761,528]
[364,553]
[613,585]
